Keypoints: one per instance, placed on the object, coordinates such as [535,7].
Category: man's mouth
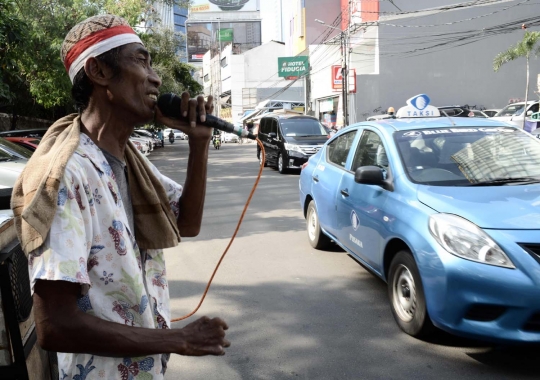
[153,97]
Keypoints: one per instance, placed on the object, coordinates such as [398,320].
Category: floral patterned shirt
[90,243]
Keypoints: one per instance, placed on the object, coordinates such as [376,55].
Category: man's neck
[106,131]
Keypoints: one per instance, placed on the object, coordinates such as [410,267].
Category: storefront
[327,109]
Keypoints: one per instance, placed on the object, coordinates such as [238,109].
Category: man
[94,216]
[160,137]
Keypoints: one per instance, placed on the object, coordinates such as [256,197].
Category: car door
[274,141]
[327,176]
[360,208]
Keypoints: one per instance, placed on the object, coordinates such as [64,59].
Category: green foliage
[524,48]
[175,75]
[32,32]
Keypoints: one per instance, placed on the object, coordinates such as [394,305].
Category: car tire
[316,236]
[407,298]
[280,165]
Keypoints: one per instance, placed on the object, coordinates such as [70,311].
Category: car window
[14,148]
[465,156]
[338,150]
[534,107]
[273,126]
[370,152]
[302,127]
[264,126]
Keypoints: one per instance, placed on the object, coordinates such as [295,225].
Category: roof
[392,125]
[288,115]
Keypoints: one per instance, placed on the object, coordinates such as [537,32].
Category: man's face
[134,91]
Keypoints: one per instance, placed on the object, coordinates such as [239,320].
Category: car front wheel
[407,296]
[281,165]
[317,238]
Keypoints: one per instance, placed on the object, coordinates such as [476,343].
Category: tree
[37,65]
[524,48]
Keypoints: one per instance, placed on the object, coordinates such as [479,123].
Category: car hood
[306,140]
[493,207]
[10,171]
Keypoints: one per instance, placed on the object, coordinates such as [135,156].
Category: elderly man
[94,216]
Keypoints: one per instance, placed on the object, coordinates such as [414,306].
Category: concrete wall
[23,122]
[449,74]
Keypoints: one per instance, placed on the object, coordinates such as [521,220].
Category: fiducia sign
[293,66]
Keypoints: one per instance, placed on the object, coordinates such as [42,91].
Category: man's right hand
[203,337]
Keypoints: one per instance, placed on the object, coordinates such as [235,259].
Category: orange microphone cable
[232,238]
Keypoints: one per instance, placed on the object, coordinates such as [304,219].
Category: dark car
[460,111]
[24,133]
[290,139]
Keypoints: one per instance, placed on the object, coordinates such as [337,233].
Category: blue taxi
[445,210]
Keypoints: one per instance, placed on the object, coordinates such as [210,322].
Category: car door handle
[315,178]
[345,192]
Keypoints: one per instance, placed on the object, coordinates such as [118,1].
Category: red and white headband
[95,44]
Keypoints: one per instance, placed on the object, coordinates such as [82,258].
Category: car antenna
[449,118]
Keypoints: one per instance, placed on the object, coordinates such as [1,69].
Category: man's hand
[205,336]
[189,109]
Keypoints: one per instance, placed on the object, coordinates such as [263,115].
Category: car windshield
[511,110]
[469,156]
[14,148]
[302,127]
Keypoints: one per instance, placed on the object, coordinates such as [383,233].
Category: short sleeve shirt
[91,243]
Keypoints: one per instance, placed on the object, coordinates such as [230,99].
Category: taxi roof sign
[418,106]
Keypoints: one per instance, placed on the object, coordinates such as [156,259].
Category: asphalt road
[294,312]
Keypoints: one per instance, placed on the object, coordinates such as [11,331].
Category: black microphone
[169,104]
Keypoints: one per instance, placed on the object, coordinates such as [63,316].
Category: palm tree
[524,48]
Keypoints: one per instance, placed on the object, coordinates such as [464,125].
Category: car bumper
[486,302]
[295,160]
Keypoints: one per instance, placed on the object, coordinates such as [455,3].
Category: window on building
[206,78]
[223,61]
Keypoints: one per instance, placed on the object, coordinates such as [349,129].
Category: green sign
[225,35]
[293,66]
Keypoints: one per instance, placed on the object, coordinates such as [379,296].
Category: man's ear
[98,72]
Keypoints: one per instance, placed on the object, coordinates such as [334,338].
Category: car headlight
[294,147]
[466,240]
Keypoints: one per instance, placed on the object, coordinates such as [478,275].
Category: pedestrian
[160,137]
[94,216]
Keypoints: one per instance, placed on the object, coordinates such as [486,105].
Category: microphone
[169,104]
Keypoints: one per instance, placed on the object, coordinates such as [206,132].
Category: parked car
[514,113]
[40,132]
[30,143]
[156,142]
[460,111]
[445,213]
[14,150]
[491,112]
[142,136]
[290,139]
[11,168]
[145,145]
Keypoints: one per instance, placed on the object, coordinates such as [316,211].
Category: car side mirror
[372,175]
[529,113]
[272,135]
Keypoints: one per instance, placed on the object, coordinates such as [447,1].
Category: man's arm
[62,327]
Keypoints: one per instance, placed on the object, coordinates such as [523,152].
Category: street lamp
[344,71]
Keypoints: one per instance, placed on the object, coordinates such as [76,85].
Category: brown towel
[35,193]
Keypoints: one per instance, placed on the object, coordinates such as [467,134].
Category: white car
[178,135]
[492,112]
[145,145]
[513,113]
[230,138]
[11,168]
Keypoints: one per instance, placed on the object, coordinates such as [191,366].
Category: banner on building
[225,35]
[198,6]
[293,67]
[337,79]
